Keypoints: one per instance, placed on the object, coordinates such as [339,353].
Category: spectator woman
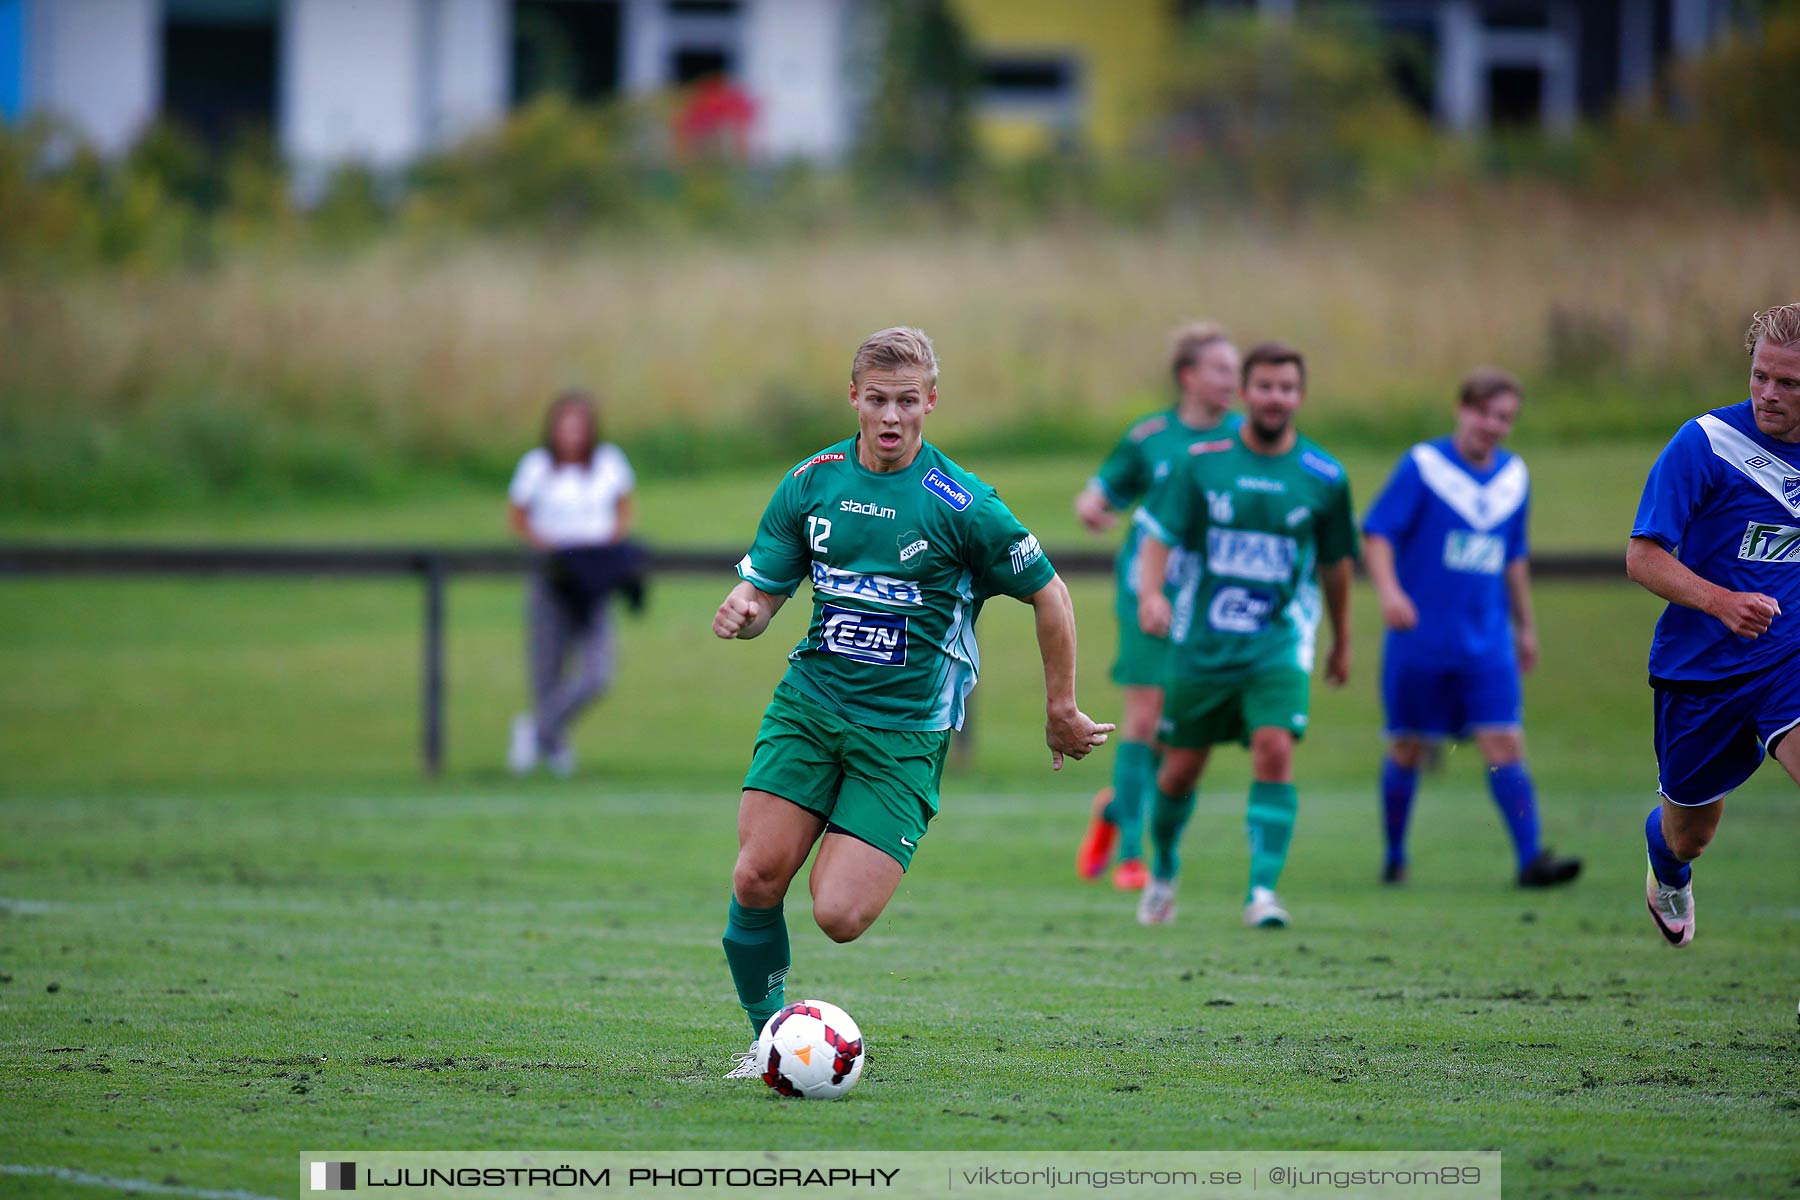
[571,497]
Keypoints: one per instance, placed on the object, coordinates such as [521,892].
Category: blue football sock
[1517,801]
[1398,784]
[1669,870]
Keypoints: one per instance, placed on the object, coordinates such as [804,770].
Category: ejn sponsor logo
[334,1177]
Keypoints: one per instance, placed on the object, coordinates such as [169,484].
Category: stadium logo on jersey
[1218,506]
[947,490]
[829,456]
[1024,552]
[1248,554]
[866,637]
[1256,483]
[1474,553]
[832,581]
[911,546]
[867,510]
[1240,610]
[1770,543]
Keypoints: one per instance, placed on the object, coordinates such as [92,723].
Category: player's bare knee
[757,883]
[1272,755]
[1407,753]
[1688,844]
[842,923]
[1501,749]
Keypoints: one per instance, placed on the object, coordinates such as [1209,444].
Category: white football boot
[1671,908]
[745,1066]
[1156,903]
[1264,910]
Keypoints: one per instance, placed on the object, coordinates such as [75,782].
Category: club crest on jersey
[1790,491]
[833,581]
[828,456]
[866,637]
[947,490]
[912,548]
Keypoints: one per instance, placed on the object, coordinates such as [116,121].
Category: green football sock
[756,949]
[1168,818]
[1270,820]
[1134,779]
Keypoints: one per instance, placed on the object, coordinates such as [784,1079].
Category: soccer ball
[812,1050]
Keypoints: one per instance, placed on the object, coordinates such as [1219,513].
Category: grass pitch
[236,926]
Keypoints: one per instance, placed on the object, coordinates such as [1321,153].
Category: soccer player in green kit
[1204,364]
[901,546]
[1259,513]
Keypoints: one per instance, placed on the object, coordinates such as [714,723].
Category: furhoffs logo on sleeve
[947,490]
[334,1177]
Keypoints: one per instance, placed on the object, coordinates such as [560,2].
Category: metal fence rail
[434,565]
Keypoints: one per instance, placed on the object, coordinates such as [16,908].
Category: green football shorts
[1212,709]
[1143,660]
[877,785]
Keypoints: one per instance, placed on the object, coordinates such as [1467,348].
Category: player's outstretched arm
[1336,580]
[1746,614]
[1094,511]
[1397,609]
[1067,730]
[746,611]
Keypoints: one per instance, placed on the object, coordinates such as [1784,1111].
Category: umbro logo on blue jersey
[947,490]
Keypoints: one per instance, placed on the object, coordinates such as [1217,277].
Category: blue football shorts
[1434,702]
[1711,737]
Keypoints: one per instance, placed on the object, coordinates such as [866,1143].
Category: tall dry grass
[1619,322]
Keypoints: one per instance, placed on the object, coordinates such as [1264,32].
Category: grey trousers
[570,667]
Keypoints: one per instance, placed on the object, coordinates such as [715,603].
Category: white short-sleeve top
[572,504]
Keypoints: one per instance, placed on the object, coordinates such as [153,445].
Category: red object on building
[717,114]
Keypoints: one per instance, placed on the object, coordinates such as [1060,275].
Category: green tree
[917,132]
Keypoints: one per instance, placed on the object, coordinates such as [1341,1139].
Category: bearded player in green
[1256,514]
[1204,364]
[902,546]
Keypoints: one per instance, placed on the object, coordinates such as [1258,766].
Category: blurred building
[382,81]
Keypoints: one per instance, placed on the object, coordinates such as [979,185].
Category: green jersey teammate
[1204,364]
[1256,514]
[901,546]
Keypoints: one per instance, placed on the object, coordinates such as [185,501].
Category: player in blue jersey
[1718,536]
[1446,548]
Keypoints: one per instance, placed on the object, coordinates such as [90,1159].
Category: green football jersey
[1141,460]
[1255,529]
[900,563]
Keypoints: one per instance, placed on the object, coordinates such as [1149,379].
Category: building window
[566,47]
[704,39]
[219,68]
[1045,86]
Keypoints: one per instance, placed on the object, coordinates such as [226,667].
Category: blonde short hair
[1190,341]
[901,346]
[1778,326]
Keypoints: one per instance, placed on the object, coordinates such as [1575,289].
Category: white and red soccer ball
[811,1050]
